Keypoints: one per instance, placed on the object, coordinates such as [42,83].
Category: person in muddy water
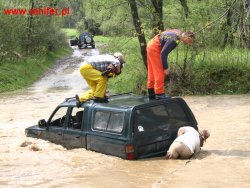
[188,142]
[158,50]
[96,70]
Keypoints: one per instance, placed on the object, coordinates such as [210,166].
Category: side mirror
[42,123]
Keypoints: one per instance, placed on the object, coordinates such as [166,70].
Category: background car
[85,40]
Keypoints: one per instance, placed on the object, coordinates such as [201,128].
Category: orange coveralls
[157,53]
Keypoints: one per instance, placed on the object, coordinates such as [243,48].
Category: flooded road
[28,162]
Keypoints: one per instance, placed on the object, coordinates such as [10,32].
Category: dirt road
[28,162]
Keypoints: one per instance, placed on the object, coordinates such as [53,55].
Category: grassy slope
[22,73]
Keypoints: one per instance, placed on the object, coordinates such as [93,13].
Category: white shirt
[101,58]
[190,138]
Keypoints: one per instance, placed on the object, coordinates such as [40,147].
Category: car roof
[121,101]
[86,33]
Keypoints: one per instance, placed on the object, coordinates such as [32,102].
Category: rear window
[162,117]
[109,121]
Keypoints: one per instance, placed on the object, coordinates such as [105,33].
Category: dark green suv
[85,40]
[128,126]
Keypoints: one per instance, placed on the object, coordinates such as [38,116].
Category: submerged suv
[128,126]
[85,40]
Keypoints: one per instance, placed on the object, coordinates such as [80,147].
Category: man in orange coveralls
[157,53]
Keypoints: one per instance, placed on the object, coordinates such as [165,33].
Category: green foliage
[134,74]
[21,73]
[215,71]
[26,34]
[71,33]
[113,16]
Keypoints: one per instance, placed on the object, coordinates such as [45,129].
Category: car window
[109,121]
[59,117]
[160,117]
[81,38]
[75,120]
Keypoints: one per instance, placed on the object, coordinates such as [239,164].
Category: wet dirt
[28,162]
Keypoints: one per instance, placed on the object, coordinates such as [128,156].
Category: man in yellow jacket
[96,70]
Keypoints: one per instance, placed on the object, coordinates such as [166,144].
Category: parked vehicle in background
[128,126]
[85,40]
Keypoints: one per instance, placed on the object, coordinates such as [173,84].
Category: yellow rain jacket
[96,70]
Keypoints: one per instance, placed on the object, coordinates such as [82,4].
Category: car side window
[109,121]
[176,111]
[75,120]
[151,118]
[58,119]
[160,117]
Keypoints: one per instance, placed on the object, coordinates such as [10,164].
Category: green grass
[211,71]
[22,73]
[70,33]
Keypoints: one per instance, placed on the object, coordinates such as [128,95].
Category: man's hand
[166,72]
[106,72]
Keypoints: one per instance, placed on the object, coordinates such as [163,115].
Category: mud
[28,162]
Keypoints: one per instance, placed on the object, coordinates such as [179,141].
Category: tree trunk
[29,29]
[185,7]
[246,4]
[157,17]
[139,31]
[227,30]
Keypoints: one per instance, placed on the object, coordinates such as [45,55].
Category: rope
[217,18]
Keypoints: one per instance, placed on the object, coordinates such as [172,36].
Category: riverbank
[20,73]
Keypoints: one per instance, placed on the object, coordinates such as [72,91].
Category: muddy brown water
[28,162]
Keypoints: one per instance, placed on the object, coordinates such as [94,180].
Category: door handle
[78,137]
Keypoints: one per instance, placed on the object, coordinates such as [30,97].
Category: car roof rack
[119,94]
[67,99]
[115,95]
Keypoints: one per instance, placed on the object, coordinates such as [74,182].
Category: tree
[185,7]
[237,24]
[139,30]
[29,29]
[157,26]
[31,35]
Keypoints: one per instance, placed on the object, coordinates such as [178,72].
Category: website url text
[45,11]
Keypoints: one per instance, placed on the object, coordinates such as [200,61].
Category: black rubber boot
[160,96]
[151,94]
[100,100]
[78,103]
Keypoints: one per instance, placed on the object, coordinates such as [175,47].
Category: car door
[74,136]
[106,134]
[56,125]
[74,42]
[155,127]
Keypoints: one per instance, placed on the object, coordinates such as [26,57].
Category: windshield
[58,118]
